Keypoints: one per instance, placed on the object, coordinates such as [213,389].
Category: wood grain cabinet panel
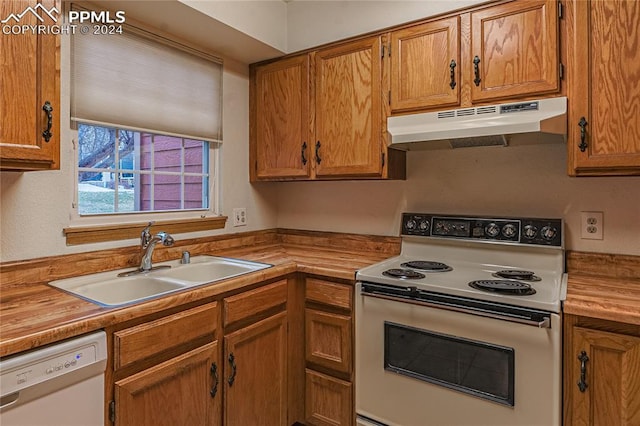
[252,303]
[604,87]
[329,293]
[255,379]
[30,69]
[425,65]
[152,338]
[602,374]
[516,49]
[348,100]
[328,340]
[176,392]
[329,400]
[281,143]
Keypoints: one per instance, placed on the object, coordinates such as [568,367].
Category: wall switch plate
[591,225]
[240,217]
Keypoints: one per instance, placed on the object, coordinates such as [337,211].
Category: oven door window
[477,368]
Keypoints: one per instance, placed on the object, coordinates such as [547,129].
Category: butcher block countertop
[604,286]
[33,314]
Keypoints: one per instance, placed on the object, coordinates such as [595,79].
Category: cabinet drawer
[328,293]
[328,400]
[254,302]
[328,340]
[151,338]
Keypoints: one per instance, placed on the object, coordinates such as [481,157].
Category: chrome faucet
[148,243]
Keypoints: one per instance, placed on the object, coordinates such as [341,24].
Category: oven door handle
[544,323]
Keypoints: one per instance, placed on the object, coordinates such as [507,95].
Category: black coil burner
[510,287]
[514,274]
[427,266]
[403,274]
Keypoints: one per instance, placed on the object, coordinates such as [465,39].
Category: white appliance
[464,326]
[480,126]
[59,385]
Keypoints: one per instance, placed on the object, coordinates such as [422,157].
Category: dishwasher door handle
[9,399]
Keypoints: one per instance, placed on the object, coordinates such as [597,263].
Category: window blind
[146,83]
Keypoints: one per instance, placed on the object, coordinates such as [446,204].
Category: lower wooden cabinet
[602,373]
[255,381]
[255,357]
[166,371]
[328,353]
[181,391]
[329,400]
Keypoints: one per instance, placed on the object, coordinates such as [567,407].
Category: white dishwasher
[58,385]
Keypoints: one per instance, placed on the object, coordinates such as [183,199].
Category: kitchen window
[124,171]
[148,118]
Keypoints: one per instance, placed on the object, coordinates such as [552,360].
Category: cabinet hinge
[560,11]
[561,71]
[112,411]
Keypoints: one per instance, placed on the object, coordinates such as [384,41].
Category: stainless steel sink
[107,289]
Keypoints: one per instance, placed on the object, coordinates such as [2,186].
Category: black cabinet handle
[214,373]
[582,384]
[476,70]
[583,134]
[232,362]
[46,134]
[318,159]
[452,66]
[304,148]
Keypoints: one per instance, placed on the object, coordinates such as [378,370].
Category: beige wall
[527,180]
[36,206]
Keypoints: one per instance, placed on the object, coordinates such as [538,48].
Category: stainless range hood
[480,126]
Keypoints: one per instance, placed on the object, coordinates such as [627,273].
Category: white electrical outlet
[240,217]
[591,225]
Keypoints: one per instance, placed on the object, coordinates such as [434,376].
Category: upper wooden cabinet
[281,143]
[505,51]
[604,87]
[29,92]
[425,65]
[348,110]
[320,116]
[514,50]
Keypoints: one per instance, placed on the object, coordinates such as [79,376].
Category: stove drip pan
[515,274]
[403,274]
[427,266]
[510,287]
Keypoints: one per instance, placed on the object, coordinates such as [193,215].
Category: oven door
[420,363]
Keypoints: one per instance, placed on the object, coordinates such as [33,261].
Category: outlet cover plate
[240,216]
[591,225]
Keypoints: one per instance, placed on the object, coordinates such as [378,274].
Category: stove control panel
[536,231]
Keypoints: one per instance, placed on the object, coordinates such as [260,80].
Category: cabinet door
[328,340]
[425,65]
[329,401]
[611,376]
[282,146]
[604,88]
[514,47]
[255,379]
[29,66]
[182,391]
[348,102]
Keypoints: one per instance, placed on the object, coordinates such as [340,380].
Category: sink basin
[107,289]
[205,269]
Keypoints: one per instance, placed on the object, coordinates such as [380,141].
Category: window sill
[125,231]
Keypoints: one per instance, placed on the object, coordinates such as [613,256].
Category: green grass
[103,202]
